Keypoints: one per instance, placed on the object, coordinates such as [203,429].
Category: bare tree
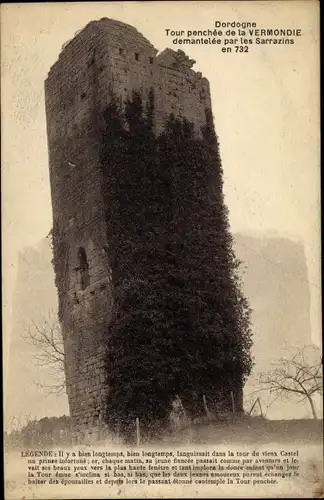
[299,377]
[46,337]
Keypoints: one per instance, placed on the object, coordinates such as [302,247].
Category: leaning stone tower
[105,57]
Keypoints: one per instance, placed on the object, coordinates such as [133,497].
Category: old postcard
[161,250]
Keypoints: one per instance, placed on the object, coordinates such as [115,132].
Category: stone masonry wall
[105,57]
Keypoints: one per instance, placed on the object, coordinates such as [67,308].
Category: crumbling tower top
[110,57]
[122,34]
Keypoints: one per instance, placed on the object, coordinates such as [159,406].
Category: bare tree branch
[295,377]
[46,338]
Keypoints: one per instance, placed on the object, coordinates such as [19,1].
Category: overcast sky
[265,104]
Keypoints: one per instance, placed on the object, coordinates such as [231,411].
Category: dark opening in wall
[137,56]
[121,52]
[83,95]
[151,60]
[83,268]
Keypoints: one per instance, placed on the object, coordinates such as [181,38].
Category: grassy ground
[250,430]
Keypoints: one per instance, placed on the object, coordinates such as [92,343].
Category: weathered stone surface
[106,56]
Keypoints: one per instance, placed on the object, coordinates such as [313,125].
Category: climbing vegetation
[180,323]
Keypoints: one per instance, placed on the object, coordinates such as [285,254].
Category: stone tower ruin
[105,57]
